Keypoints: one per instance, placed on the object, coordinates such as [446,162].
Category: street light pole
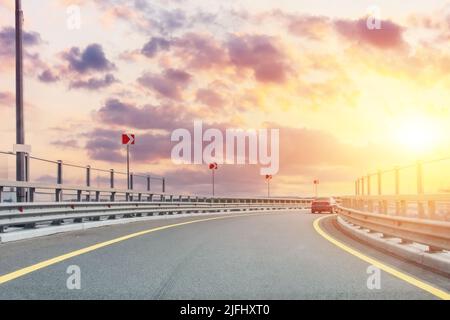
[20,131]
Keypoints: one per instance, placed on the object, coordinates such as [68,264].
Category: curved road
[265,256]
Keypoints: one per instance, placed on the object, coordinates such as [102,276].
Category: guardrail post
[432,210]
[362,186]
[97,196]
[381,204]
[113,196]
[31,192]
[88,182]
[397,190]
[59,181]
[369,201]
[403,207]
[150,197]
[362,202]
[59,175]
[111,179]
[88,176]
[420,206]
[131,181]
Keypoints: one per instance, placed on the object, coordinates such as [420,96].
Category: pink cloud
[390,35]
[261,54]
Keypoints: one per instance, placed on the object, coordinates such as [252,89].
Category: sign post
[213,166]
[268,178]
[316,183]
[128,139]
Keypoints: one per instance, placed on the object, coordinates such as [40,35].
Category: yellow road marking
[21,272]
[411,280]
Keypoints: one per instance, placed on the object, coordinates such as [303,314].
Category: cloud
[155,44]
[64,144]
[48,76]
[7,99]
[8,41]
[261,54]
[31,41]
[92,58]
[94,83]
[312,27]
[390,35]
[105,145]
[169,84]
[210,98]
[119,113]
[199,51]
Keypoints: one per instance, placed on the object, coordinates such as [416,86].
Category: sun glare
[418,134]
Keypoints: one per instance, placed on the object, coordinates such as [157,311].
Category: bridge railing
[420,190]
[29,215]
[62,172]
[67,193]
[434,234]
[421,206]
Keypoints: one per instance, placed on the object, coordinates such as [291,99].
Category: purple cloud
[210,98]
[169,84]
[8,40]
[155,44]
[92,58]
[261,54]
[48,76]
[105,145]
[93,83]
[116,112]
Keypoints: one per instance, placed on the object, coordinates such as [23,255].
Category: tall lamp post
[20,131]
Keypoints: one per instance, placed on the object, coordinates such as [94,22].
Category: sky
[347,100]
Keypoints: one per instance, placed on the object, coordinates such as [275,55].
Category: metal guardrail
[434,234]
[422,206]
[87,194]
[59,169]
[29,215]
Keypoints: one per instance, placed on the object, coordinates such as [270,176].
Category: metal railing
[434,234]
[376,182]
[427,203]
[422,206]
[29,215]
[111,181]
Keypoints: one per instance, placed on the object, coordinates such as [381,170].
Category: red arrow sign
[213,166]
[128,138]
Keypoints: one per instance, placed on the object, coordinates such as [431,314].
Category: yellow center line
[24,271]
[405,277]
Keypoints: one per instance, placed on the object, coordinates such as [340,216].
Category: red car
[320,205]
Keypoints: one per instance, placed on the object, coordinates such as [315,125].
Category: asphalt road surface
[269,256]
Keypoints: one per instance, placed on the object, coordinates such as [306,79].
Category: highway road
[261,256]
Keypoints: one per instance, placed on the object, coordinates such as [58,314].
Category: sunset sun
[417,134]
